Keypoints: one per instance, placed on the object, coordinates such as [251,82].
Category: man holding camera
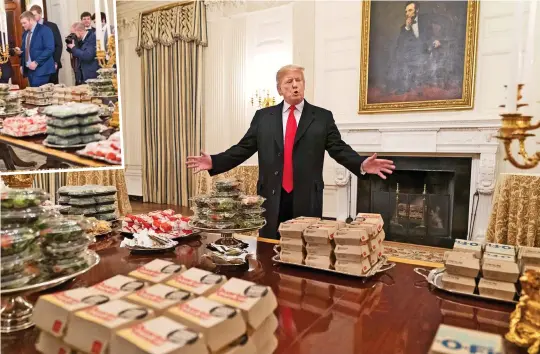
[38,16]
[84,52]
[37,51]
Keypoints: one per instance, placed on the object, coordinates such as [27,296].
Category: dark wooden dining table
[318,311]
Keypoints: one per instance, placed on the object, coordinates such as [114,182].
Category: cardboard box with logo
[458,283]
[292,244]
[457,265]
[320,235]
[351,237]
[91,330]
[497,248]
[157,271]
[158,335]
[497,289]
[292,257]
[220,324]
[292,228]
[351,253]
[118,286]
[454,340]
[353,267]
[500,271]
[323,262]
[159,297]
[49,344]
[197,281]
[469,246]
[54,312]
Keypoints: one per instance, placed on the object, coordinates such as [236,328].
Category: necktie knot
[292,108]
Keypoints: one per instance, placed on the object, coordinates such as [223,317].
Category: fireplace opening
[425,201]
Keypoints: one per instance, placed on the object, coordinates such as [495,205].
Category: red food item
[111,156]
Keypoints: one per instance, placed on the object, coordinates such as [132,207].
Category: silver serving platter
[3,131]
[381,266]
[93,260]
[76,146]
[226,231]
[434,277]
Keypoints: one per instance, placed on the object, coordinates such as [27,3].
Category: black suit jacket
[316,133]
[58,44]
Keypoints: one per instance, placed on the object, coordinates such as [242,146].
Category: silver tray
[16,313]
[381,266]
[434,277]
[76,146]
[226,231]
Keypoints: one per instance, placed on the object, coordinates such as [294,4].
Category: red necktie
[290,133]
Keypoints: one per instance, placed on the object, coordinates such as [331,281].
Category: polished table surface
[320,312]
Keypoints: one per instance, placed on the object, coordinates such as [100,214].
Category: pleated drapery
[171,42]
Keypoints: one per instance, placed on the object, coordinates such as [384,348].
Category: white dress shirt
[297,114]
[415,27]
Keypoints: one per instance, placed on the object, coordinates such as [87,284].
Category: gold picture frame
[466,89]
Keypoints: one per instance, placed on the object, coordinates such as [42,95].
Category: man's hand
[436,44]
[200,163]
[376,166]
[55,66]
[71,45]
[408,23]
[17,50]
[33,65]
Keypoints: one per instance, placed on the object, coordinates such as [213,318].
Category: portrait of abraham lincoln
[418,55]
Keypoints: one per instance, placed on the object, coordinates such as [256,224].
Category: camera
[71,38]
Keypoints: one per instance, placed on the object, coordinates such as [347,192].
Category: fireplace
[425,201]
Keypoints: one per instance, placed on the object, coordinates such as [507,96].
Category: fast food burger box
[118,286]
[319,234]
[500,270]
[159,297]
[157,271]
[374,221]
[457,265]
[291,244]
[219,324]
[307,219]
[353,267]
[458,283]
[158,335]
[375,256]
[456,254]
[498,257]
[529,255]
[197,281]
[351,237]
[468,246]
[49,344]
[256,302]
[91,330]
[261,335]
[323,262]
[376,243]
[497,289]
[319,249]
[497,248]
[351,253]
[293,229]
[454,340]
[54,312]
[338,224]
[291,257]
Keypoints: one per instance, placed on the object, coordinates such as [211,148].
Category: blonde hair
[27,15]
[291,67]
[78,26]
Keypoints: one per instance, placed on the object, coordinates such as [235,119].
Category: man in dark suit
[291,139]
[415,44]
[58,45]
[37,51]
[86,19]
[85,52]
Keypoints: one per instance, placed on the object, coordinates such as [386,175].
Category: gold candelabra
[4,55]
[262,100]
[515,126]
[106,58]
[115,121]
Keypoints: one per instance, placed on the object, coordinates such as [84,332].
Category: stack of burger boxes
[318,244]
[494,264]
[159,307]
[358,247]
[291,241]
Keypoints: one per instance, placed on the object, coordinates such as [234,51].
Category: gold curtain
[50,182]
[515,217]
[171,42]
[104,178]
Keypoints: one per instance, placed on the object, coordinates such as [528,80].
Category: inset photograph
[59,105]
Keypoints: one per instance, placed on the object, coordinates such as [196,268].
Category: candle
[5,31]
[529,46]
[108,26]
[515,77]
[99,34]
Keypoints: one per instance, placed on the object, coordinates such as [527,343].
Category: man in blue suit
[37,51]
[85,52]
